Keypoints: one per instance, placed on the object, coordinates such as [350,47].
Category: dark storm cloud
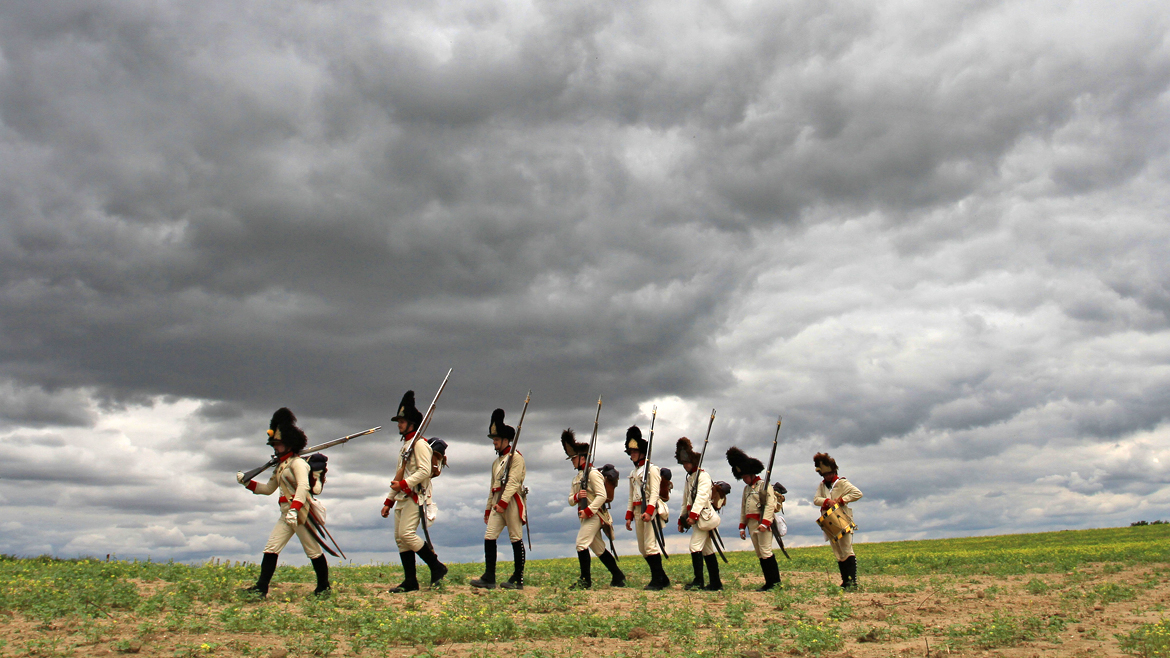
[920,232]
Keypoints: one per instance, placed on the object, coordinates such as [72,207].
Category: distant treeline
[1137,523]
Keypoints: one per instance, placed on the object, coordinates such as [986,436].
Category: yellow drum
[835,523]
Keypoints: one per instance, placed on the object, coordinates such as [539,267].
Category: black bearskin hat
[283,427]
[634,440]
[408,411]
[684,453]
[610,473]
[498,430]
[572,448]
[824,458]
[742,465]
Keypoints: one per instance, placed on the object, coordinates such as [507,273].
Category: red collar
[828,482]
[505,451]
[409,435]
[286,456]
[755,479]
[639,464]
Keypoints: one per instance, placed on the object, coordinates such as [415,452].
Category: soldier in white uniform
[504,507]
[291,477]
[408,491]
[592,511]
[639,513]
[835,490]
[753,523]
[699,514]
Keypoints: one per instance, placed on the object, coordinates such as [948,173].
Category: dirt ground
[889,616]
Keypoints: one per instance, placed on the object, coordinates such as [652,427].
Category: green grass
[124,605]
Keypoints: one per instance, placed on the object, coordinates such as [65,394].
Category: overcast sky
[932,235]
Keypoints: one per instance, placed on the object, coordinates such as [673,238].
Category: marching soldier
[698,513]
[639,513]
[835,490]
[590,500]
[292,478]
[751,523]
[408,490]
[505,506]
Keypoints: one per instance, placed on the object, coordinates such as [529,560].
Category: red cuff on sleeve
[588,512]
[650,510]
[766,525]
[742,526]
[693,517]
[296,504]
[629,515]
[251,485]
[403,486]
[503,504]
[387,502]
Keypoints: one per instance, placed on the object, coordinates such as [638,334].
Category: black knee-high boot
[714,584]
[488,579]
[516,581]
[771,573]
[438,569]
[658,578]
[851,571]
[585,580]
[844,574]
[267,568]
[617,578]
[697,566]
[321,568]
[410,580]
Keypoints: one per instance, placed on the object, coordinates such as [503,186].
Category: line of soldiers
[592,491]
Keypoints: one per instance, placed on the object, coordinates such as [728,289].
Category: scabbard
[317,537]
[718,541]
[780,541]
[422,516]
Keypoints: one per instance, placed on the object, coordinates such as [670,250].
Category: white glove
[240,477]
[290,517]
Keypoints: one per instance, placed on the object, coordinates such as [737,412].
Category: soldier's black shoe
[581,584]
[267,568]
[483,582]
[714,584]
[617,578]
[255,590]
[321,568]
[516,581]
[511,584]
[771,574]
[410,579]
[697,566]
[438,569]
[849,580]
[323,593]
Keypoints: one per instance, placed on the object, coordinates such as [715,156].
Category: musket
[767,483]
[589,456]
[654,524]
[716,539]
[307,451]
[418,432]
[508,464]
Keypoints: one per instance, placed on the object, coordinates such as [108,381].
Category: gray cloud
[938,228]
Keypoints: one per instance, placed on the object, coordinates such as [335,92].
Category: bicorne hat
[571,446]
[634,440]
[408,411]
[742,465]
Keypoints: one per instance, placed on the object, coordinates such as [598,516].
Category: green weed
[1147,640]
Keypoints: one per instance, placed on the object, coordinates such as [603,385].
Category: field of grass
[1078,593]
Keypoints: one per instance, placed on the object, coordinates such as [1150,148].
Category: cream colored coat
[292,478]
[515,481]
[655,479]
[751,504]
[416,468]
[595,492]
[842,489]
